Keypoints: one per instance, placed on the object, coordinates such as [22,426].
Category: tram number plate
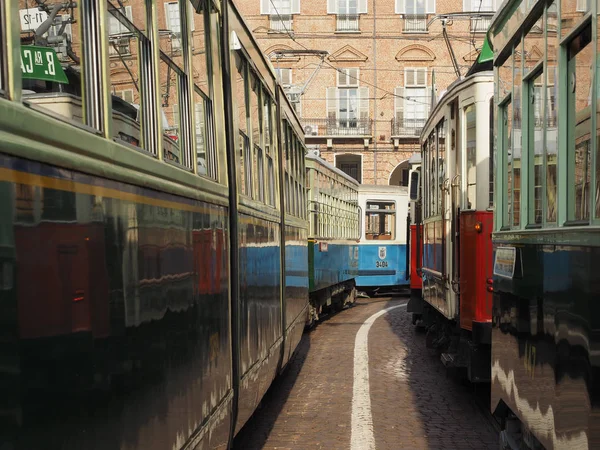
[381,264]
[41,63]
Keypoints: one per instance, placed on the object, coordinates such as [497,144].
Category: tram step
[448,359]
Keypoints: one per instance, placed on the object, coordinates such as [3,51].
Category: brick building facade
[362,73]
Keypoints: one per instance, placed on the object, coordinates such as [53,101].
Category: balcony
[314,128]
[480,24]
[407,128]
[280,23]
[347,23]
[416,23]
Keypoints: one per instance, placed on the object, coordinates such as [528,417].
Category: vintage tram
[453,225]
[382,253]
[333,236]
[153,226]
[546,331]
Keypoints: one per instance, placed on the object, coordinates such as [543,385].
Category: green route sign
[41,63]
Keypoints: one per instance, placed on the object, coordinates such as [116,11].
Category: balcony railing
[347,22]
[480,24]
[337,127]
[407,127]
[415,23]
[281,23]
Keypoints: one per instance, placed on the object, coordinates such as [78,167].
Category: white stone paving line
[362,419]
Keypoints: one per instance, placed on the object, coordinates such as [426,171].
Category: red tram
[452,191]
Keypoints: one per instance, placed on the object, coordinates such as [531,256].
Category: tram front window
[51,57]
[380,218]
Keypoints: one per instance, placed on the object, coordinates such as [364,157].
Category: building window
[348,105]
[351,165]
[480,24]
[412,103]
[119,35]
[280,13]
[348,13]
[284,76]
[415,14]
[173,22]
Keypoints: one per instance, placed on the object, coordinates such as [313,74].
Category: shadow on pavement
[273,402]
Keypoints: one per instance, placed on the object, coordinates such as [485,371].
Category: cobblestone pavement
[415,403]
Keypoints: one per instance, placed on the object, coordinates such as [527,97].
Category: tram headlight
[478,227]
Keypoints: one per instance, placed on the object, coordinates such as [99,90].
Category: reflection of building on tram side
[128,44]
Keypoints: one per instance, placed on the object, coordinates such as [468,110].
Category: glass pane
[200,52]
[170,101]
[255,115]
[579,124]
[505,78]
[170,31]
[516,144]
[536,125]
[551,114]
[200,129]
[137,15]
[571,13]
[507,148]
[124,52]
[534,45]
[471,144]
[441,135]
[51,58]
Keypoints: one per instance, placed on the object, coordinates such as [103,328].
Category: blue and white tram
[382,257]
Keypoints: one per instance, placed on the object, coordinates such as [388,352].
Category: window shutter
[409,77]
[467,5]
[421,76]
[332,107]
[430,7]
[295,6]
[331,6]
[581,5]
[129,13]
[400,7]
[399,91]
[364,103]
[362,6]
[265,7]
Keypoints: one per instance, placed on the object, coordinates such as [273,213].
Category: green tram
[152,190]
[545,365]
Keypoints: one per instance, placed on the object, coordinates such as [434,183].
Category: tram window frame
[470,158]
[577,43]
[143,84]
[3,47]
[181,110]
[370,236]
[534,87]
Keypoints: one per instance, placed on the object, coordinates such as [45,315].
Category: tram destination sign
[41,63]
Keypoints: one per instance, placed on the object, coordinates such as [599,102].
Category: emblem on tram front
[382,252]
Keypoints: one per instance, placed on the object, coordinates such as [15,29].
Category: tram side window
[441,169]
[471,143]
[200,50]
[170,94]
[492,156]
[51,59]
[126,83]
[244,140]
[380,218]
[551,111]
[580,68]
[536,127]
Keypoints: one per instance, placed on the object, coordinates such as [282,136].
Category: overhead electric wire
[361,81]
